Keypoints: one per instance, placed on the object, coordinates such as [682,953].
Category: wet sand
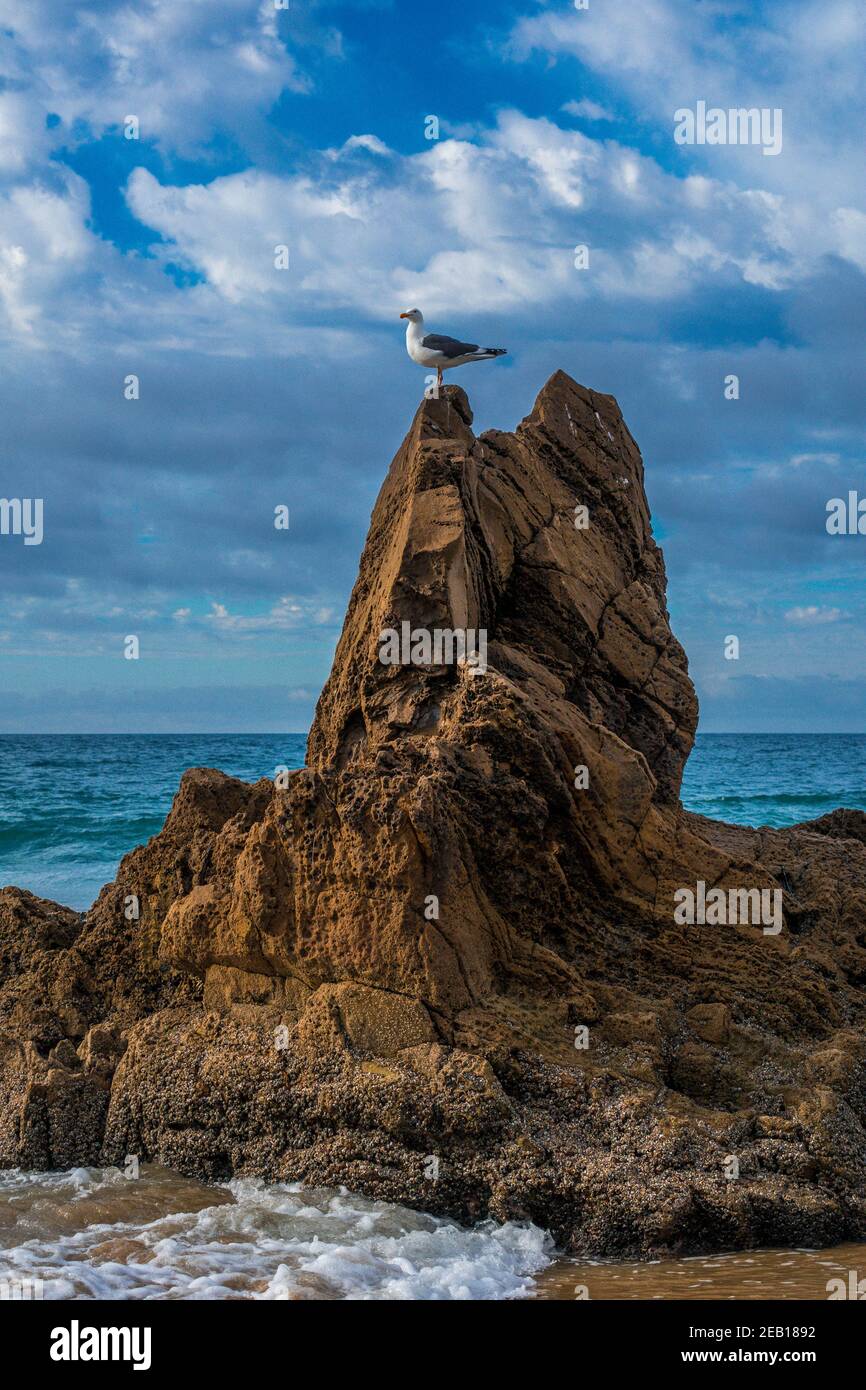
[748,1276]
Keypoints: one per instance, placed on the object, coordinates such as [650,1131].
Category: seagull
[439,351]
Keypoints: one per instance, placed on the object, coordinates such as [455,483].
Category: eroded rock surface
[442,964]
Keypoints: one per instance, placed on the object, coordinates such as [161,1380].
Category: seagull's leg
[439,382]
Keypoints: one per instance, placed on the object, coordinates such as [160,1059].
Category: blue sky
[261,387]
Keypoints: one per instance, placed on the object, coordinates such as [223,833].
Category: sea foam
[90,1233]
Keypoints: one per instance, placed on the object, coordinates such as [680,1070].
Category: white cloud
[639,38]
[474,225]
[466,224]
[44,248]
[285,615]
[812,615]
[189,72]
[661,55]
[587,110]
[827,460]
[184,69]
[850,226]
[22,132]
[371,143]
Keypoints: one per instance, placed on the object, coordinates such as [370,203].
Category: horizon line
[304,733]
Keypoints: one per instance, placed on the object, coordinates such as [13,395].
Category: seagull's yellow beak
[404,316]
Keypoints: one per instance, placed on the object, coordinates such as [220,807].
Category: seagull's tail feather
[484,353]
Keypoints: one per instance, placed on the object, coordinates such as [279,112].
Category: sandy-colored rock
[367,1020]
[712,1022]
[442,965]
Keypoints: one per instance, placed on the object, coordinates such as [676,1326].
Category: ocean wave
[831,799]
[87,1234]
[74,837]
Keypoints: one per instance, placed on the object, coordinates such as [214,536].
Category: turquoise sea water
[72,806]
[775,779]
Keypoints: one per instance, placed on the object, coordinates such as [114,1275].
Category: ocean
[775,779]
[70,807]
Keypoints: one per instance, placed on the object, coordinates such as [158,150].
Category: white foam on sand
[91,1233]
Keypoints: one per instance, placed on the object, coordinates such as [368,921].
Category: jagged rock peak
[489,533]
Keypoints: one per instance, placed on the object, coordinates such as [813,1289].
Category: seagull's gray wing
[449,347]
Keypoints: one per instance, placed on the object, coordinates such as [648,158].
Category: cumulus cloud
[45,248]
[185,70]
[665,56]
[494,222]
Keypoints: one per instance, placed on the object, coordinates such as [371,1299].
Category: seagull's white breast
[416,350]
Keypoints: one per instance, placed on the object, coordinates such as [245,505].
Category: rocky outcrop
[444,963]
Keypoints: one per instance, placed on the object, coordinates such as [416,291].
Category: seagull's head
[413,315]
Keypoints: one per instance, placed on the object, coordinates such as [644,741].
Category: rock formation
[443,964]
